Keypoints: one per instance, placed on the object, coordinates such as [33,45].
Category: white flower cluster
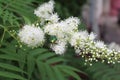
[114,46]
[63,29]
[66,32]
[46,12]
[31,36]
[59,48]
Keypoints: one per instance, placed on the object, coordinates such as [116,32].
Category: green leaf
[38,51]
[55,60]
[42,70]
[68,68]
[10,67]
[49,72]
[9,57]
[11,75]
[30,65]
[70,71]
[46,56]
[59,74]
[22,56]
[27,21]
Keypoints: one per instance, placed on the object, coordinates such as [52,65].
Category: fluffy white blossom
[77,51]
[63,29]
[45,10]
[100,44]
[83,35]
[54,29]
[53,18]
[75,39]
[71,25]
[109,51]
[73,22]
[78,39]
[92,36]
[59,48]
[63,32]
[31,36]
[114,46]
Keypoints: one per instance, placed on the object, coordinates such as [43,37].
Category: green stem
[3,36]
[5,29]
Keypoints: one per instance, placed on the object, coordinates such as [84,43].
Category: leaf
[9,57]
[11,75]
[10,67]
[68,68]
[22,56]
[70,71]
[49,72]
[27,21]
[59,74]
[36,52]
[55,60]
[46,56]
[30,65]
[42,70]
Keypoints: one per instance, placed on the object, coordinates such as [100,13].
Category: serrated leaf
[27,21]
[46,56]
[30,65]
[55,60]
[10,67]
[11,75]
[38,51]
[59,74]
[49,72]
[42,70]
[71,73]
[9,57]
[68,68]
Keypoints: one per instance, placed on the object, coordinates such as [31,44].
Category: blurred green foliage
[67,8]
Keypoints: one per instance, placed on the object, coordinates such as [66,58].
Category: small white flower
[83,35]
[59,48]
[45,10]
[92,36]
[77,51]
[75,39]
[100,44]
[63,29]
[51,29]
[73,22]
[53,18]
[55,29]
[114,46]
[78,39]
[109,51]
[31,36]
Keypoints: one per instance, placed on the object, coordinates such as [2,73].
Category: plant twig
[5,29]
[3,36]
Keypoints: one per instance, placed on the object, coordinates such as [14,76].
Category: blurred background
[99,16]
[103,18]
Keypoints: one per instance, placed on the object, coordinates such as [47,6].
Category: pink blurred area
[103,18]
[115,6]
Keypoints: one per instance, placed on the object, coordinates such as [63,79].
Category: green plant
[33,64]
[24,63]
[18,63]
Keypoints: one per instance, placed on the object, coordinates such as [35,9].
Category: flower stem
[3,36]
[6,30]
